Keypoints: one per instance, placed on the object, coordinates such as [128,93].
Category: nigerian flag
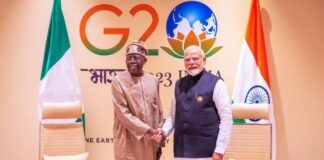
[59,82]
[252,84]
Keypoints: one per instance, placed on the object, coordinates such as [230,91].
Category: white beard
[194,72]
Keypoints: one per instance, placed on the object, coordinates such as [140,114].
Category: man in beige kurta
[137,108]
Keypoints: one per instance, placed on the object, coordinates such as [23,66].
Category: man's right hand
[160,136]
[152,132]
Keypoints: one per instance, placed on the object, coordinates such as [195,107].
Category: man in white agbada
[137,108]
[200,112]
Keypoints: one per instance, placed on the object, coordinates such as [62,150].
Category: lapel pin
[200,99]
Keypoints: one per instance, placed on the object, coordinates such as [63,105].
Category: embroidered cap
[137,47]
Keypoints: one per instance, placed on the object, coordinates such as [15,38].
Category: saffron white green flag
[252,84]
[59,82]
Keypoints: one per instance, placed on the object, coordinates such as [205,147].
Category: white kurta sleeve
[168,125]
[222,101]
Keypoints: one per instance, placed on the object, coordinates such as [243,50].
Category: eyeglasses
[195,59]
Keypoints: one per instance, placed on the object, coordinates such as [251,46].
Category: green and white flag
[59,81]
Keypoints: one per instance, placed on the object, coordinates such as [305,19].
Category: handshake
[157,135]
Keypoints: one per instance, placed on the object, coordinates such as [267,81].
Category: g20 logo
[191,23]
[124,32]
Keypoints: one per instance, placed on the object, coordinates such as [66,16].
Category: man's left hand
[217,156]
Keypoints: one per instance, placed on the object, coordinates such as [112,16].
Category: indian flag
[252,84]
[59,81]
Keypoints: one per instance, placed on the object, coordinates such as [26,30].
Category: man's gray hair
[194,47]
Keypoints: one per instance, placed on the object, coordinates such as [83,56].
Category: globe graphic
[194,16]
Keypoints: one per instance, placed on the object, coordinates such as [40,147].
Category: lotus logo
[191,23]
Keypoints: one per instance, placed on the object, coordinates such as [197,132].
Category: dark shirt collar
[189,82]
[195,79]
